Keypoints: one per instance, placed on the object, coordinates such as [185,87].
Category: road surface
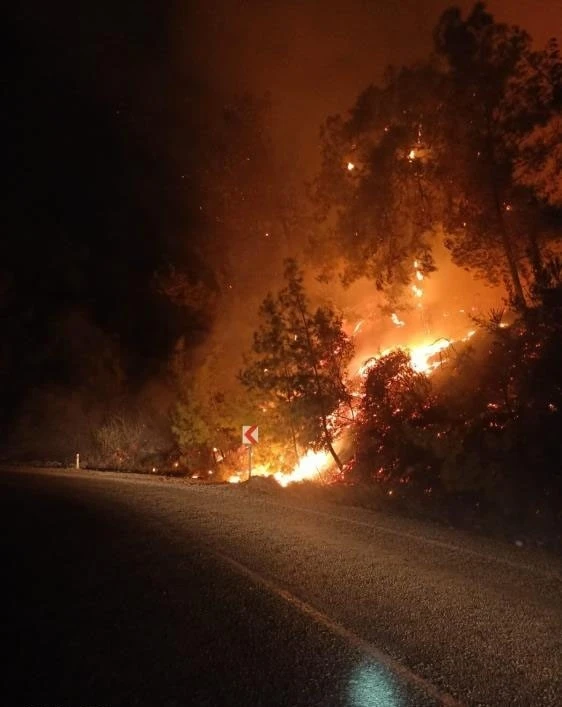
[120,590]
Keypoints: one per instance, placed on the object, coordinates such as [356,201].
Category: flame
[425,357]
[313,463]
[309,466]
[350,166]
[420,355]
[418,292]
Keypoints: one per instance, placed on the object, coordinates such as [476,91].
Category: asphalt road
[120,591]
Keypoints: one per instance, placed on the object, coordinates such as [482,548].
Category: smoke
[315,57]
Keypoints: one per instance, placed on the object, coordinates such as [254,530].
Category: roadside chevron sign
[250,434]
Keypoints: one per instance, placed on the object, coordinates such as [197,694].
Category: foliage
[207,419]
[499,89]
[298,363]
[539,163]
[487,426]
[374,200]
[397,402]
[119,442]
[456,143]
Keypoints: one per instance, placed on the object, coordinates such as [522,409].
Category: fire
[416,289]
[309,466]
[425,356]
[420,355]
[313,463]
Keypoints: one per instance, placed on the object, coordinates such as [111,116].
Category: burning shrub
[397,405]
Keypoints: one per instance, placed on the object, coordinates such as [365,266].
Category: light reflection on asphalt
[371,686]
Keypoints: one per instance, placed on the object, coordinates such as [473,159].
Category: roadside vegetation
[460,151]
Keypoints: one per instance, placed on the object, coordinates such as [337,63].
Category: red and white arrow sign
[250,434]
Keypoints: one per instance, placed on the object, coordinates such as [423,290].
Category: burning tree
[377,210]
[298,364]
[461,143]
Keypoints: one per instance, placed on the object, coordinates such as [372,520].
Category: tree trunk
[330,446]
[535,256]
[324,417]
[291,420]
[520,301]
[295,445]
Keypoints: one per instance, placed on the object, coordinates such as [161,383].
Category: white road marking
[365,647]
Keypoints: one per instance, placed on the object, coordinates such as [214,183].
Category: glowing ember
[412,155]
[234,479]
[358,327]
[418,292]
[396,319]
[350,166]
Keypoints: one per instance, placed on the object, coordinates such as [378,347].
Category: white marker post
[77,460]
[250,436]
[249,462]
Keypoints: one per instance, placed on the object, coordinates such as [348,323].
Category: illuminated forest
[388,309]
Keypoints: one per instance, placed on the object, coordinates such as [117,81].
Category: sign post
[250,436]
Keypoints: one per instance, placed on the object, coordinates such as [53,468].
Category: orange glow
[426,355]
[310,466]
[420,355]
[358,327]
[350,166]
